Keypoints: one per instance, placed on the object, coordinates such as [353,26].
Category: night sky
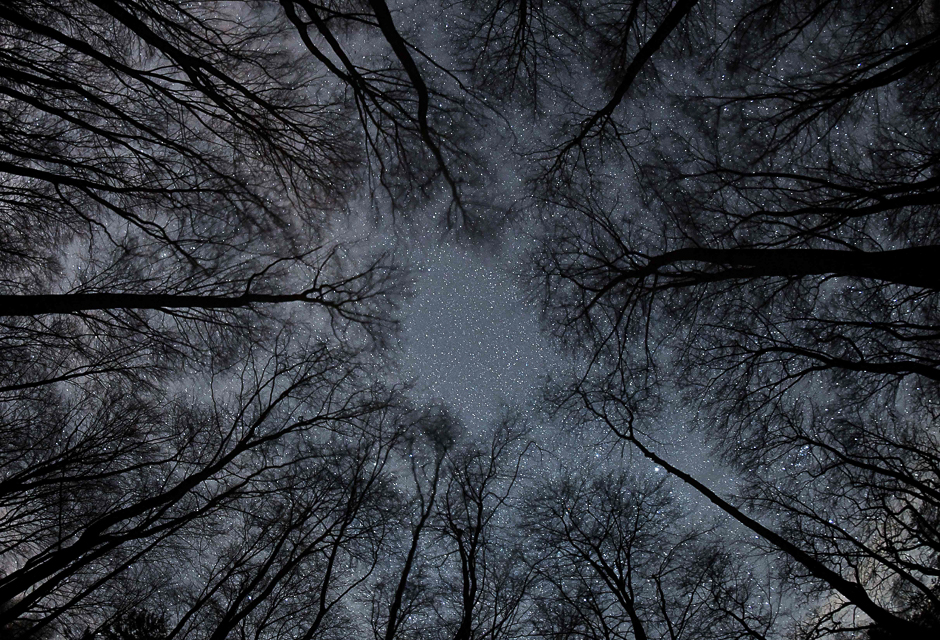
[608,232]
[471,335]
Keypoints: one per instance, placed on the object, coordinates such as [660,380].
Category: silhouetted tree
[172,181]
[484,581]
[404,590]
[738,210]
[136,625]
[771,265]
[616,558]
[294,461]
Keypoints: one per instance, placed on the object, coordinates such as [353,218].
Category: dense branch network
[734,215]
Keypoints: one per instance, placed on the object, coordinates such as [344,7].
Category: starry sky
[472,335]
[472,339]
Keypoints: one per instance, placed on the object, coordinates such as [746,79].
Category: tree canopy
[727,213]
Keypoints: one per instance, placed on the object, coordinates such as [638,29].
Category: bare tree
[120,491]
[617,558]
[165,164]
[770,265]
[484,581]
[405,591]
[173,177]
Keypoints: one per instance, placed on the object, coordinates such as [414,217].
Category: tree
[137,625]
[405,591]
[738,214]
[483,581]
[304,545]
[403,116]
[172,177]
[294,460]
[616,557]
[174,171]
[770,265]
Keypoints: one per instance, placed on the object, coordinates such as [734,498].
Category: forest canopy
[728,214]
